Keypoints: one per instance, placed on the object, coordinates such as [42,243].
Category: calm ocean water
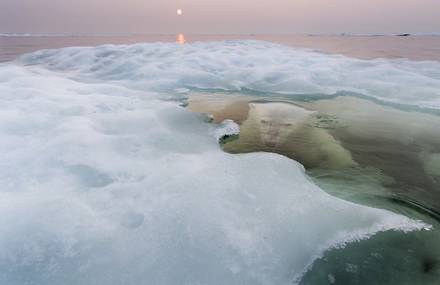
[366,47]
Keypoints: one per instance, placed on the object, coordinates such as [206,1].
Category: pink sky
[215,16]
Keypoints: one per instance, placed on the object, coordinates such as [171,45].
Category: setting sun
[179,12]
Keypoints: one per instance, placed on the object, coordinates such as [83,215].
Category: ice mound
[248,65]
[102,181]
[226,129]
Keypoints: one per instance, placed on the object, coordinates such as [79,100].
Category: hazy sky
[220,16]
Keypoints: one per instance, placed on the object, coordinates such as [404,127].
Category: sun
[179,12]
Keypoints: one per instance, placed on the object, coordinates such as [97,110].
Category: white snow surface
[104,180]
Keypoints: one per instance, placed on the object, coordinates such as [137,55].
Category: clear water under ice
[106,179]
[360,151]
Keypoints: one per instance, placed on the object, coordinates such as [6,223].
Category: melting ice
[104,180]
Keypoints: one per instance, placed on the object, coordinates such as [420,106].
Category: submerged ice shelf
[104,180]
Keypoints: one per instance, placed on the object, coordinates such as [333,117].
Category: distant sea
[413,47]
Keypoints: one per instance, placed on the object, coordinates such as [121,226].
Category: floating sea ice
[102,182]
[247,65]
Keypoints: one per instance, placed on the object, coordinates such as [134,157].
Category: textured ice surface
[227,128]
[253,65]
[102,181]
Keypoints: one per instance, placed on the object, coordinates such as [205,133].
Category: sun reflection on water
[181,38]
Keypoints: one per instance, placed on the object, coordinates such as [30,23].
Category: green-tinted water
[362,152]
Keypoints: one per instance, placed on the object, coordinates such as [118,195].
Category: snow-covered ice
[104,180]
